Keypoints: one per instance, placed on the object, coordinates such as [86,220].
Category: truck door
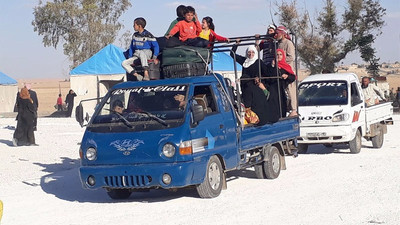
[357,105]
[209,134]
[230,127]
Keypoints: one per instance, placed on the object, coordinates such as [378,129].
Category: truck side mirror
[79,114]
[198,113]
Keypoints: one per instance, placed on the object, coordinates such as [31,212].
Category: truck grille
[127,181]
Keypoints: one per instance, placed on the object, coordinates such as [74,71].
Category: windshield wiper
[125,121]
[152,116]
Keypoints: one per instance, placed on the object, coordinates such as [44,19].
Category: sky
[23,56]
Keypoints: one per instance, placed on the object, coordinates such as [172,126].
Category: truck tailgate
[377,113]
[258,136]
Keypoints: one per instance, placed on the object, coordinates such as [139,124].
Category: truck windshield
[141,108]
[323,93]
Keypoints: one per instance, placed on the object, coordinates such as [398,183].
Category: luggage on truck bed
[185,54]
[184,70]
[154,70]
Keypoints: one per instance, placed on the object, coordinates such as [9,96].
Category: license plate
[318,134]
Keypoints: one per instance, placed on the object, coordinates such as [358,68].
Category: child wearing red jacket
[208,33]
[188,29]
[59,103]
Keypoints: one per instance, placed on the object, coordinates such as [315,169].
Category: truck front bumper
[328,134]
[143,175]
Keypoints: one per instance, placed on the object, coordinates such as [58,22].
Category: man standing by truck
[371,92]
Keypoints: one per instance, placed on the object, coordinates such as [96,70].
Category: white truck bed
[377,113]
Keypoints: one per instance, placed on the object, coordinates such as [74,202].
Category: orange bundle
[251,117]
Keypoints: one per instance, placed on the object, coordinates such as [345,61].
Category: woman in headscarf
[253,97]
[23,134]
[69,100]
[286,76]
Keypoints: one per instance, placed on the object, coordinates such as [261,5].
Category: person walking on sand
[23,134]
[69,100]
[35,100]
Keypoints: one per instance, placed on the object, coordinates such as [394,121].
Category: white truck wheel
[355,144]
[377,141]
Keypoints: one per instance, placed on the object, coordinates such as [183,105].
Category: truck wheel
[377,141]
[272,167]
[302,148]
[119,193]
[212,184]
[355,144]
[259,169]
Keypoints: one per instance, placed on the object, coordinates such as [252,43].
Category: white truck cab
[332,111]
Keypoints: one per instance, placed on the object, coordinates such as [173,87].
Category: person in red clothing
[189,30]
[59,103]
[208,33]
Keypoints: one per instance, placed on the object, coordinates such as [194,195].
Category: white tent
[8,93]
[95,76]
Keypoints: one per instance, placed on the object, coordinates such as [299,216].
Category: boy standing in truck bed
[143,46]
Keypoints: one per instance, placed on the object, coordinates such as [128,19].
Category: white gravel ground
[40,185]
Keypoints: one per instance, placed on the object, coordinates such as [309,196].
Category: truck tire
[213,181]
[272,167]
[119,193]
[302,148]
[355,144]
[259,170]
[377,141]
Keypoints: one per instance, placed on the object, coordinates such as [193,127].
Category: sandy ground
[40,185]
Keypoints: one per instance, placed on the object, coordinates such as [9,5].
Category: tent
[96,75]
[223,64]
[8,93]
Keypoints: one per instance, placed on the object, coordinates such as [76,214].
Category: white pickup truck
[333,111]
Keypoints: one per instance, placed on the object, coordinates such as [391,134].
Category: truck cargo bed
[258,136]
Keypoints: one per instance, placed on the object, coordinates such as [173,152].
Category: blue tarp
[105,62]
[224,62]
[4,79]
[108,61]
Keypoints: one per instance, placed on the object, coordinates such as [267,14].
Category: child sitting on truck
[208,31]
[144,46]
[188,29]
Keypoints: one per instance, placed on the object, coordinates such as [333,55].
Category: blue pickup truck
[175,133]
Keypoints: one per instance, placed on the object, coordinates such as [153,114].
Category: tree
[84,26]
[320,46]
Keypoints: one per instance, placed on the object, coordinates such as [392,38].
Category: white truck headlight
[168,150]
[341,117]
[91,154]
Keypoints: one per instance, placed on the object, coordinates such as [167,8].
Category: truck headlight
[168,150]
[91,154]
[341,117]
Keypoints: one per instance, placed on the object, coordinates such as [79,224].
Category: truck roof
[332,76]
[172,81]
